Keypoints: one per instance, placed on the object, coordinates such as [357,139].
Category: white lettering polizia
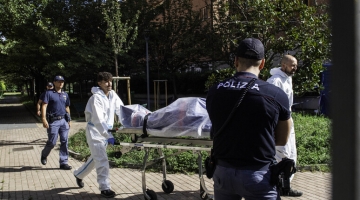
[237,85]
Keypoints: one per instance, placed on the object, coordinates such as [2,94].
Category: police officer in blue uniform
[245,148]
[56,119]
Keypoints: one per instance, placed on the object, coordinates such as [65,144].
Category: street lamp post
[146,34]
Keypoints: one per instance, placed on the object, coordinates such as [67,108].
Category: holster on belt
[67,117]
[281,173]
[210,165]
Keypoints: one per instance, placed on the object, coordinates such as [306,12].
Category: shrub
[77,143]
[313,139]
[2,88]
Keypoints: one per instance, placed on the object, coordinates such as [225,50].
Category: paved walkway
[23,177]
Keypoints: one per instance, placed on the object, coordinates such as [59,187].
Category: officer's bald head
[287,58]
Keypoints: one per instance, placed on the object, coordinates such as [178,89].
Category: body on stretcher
[184,117]
[164,129]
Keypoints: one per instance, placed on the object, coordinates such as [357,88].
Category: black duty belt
[262,167]
[57,117]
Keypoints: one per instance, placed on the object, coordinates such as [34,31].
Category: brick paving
[22,176]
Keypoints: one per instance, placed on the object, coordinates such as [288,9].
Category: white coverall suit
[99,113]
[283,81]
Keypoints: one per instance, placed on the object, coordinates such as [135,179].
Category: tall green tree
[42,38]
[28,39]
[284,27]
[121,33]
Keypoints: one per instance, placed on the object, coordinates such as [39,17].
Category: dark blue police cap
[250,48]
[59,78]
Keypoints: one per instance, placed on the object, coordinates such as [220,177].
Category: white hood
[283,81]
[278,71]
[97,90]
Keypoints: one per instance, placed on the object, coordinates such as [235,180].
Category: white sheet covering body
[184,117]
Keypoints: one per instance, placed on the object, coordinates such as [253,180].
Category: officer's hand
[111,141]
[45,123]
[39,113]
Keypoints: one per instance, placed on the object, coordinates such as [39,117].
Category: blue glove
[111,141]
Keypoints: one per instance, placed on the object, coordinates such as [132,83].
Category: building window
[205,12]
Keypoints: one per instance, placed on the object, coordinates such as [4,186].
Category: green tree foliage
[53,37]
[121,33]
[42,38]
[30,39]
[284,27]
[89,50]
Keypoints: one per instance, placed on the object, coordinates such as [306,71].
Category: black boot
[107,193]
[65,167]
[290,193]
[43,160]
[79,182]
[294,193]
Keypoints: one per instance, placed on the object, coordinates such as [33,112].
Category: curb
[312,168]
[74,154]
[32,113]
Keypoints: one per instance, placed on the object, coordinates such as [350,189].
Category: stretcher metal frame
[146,143]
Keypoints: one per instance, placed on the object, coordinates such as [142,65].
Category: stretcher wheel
[151,194]
[169,188]
[203,194]
[118,154]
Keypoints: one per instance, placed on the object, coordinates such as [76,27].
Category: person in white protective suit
[99,114]
[282,78]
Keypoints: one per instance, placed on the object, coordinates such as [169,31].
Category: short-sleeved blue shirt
[42,95]
[57,102]
[249,137]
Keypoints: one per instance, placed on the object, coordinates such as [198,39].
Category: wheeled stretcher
[161,130]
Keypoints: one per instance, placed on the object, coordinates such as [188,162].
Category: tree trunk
[80,89]
[33,91]
[28,89]
[116,65]
[174,86]
[116,73]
